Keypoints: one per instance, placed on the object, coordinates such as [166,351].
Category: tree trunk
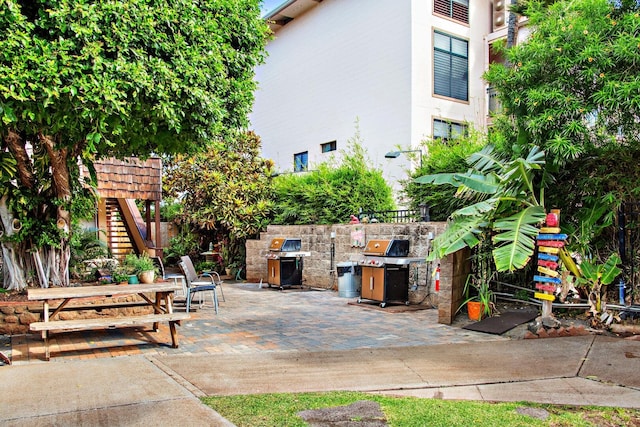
[57,260]
[24,263]
[13,268]
[512,26]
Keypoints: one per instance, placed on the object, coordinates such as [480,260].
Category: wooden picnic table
[157,295]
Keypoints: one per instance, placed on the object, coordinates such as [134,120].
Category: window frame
[301,161]
[454,62]
[449,125]
[331,144]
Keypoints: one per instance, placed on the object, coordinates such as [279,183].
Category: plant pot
[147,276]
[133,279]
[475,310]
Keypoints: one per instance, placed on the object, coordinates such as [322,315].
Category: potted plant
[141,266]
[477,291]
[120,276]
[479,297]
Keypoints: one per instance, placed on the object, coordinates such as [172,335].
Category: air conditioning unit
[499,14]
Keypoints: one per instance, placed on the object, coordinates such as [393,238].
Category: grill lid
[282,244]
[387,248]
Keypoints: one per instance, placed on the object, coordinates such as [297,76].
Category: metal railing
[398,216]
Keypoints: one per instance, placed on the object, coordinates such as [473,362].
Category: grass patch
[281,410]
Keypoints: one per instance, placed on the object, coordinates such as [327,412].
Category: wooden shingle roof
[131,178]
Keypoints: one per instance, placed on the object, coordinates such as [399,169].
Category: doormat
[502,323]
[390,307]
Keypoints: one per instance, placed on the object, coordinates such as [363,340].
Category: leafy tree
[572,85]
[443,157]
[84,80]
[331,193]
[572,89]
[224,193]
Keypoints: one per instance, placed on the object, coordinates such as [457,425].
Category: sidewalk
[267,341]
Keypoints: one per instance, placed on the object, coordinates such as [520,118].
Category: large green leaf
[610,270]
[439,179]
[479,208]
[460,233]
[478,183]
[485,160]
[515,241]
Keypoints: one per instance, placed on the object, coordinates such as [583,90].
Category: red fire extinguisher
[437,276]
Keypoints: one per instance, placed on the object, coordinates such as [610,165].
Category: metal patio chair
[174,277]
[196,283]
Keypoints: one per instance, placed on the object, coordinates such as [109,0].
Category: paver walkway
[256,319]
[265,340]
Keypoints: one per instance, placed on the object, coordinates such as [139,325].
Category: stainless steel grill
[385,271]
[285,262]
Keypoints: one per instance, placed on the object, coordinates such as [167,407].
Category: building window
[457,10]
[300,161]
[450,66]
[328,146]
[446,130]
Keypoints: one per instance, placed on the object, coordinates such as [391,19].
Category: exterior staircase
[118,236]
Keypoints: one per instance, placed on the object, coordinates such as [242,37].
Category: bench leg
[47,356]
[174,335]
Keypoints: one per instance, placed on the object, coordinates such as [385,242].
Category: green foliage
[119,275]
[330,193]
[185,243]
[595,277]
[225,193]
[281,409]
[85,244]
[569,86]
[136,264]
[443,157]
[170,210]
[478,290]
[135,81]
[87,80]
[506,204]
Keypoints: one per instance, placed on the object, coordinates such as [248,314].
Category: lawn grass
[281,410]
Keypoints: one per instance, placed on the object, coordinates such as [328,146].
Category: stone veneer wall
[319,272]
[15,316]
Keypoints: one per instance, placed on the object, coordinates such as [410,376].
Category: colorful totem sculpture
[549,242]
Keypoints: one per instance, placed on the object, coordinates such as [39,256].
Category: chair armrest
[205,277]
[214,276]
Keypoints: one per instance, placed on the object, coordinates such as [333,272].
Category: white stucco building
[404,70]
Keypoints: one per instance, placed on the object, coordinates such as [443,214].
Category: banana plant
[503,202]
[594,277]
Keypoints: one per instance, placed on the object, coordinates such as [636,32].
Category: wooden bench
[107,322]
[162,306]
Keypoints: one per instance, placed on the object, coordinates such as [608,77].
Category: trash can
[349,279]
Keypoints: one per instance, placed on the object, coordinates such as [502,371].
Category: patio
[257,319]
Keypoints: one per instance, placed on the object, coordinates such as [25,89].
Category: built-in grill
[385,271]
[285,262]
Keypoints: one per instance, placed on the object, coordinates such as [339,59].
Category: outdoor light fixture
[424,212]
[396,154]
